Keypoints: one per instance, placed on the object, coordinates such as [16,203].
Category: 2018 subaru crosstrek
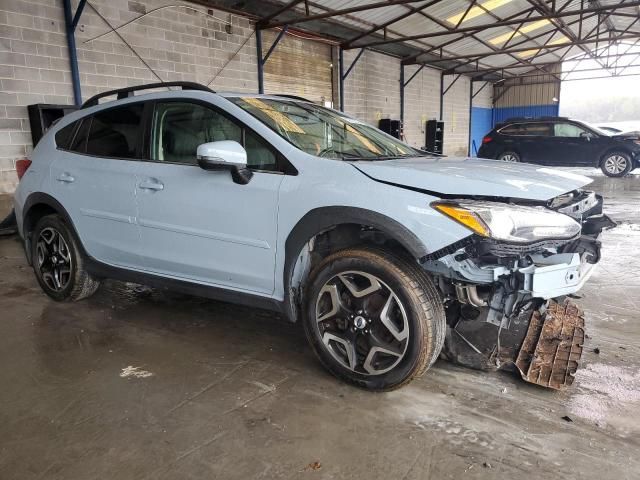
[387,255]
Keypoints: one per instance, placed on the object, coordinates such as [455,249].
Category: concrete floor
[235,393]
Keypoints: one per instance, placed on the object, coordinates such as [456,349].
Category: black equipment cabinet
[392,127]
[434,136]
[43,115]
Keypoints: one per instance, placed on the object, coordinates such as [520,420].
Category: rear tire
[509,156]
[373,319]
[616,164]
[58,262]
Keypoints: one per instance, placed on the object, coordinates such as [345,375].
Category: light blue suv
[388,255]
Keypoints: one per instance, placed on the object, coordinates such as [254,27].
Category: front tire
[58,262]
[374,319]
[616,164]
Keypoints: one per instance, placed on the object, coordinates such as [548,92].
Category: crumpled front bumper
[507,308]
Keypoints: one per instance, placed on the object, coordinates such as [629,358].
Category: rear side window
[527,129]
[537,129]
[65,135]
[79,142]
[511,129]
[116,132]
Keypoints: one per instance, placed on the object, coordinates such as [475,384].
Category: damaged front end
[506,302]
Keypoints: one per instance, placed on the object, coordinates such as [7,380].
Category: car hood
[466,177]
[632,135]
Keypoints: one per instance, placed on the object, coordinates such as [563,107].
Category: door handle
[66,178]
[151,185]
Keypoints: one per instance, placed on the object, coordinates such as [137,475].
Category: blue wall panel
[533,111]
[481,124]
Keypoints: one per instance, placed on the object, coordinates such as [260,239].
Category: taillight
[22,166]
[487,139]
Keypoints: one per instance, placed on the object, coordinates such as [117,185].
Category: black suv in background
[558,141]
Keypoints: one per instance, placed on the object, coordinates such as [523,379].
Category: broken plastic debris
[137,372]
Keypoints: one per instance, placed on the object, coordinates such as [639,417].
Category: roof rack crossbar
[128,91]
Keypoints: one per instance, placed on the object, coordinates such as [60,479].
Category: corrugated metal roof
[438,18]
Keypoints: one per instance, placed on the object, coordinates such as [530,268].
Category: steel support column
[71,22]
[262,60]
[344,75]
[403,85]
[470,115]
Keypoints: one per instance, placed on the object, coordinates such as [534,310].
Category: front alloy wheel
[373,318]
[616,164]
[362,323]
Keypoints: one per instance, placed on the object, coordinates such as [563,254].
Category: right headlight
[510,223]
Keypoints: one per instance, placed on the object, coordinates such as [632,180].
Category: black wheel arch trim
[322,219]
[40,198]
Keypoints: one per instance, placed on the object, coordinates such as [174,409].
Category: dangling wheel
[58,263]
[373,319]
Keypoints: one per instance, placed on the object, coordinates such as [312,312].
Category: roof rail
[128,91]
[533,119]
[294,97]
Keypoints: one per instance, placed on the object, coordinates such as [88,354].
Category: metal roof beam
[334,13]
[288,6]
[555,47]
[502,23]
[347,43]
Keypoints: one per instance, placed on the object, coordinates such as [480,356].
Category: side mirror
[587,136]
[225,155]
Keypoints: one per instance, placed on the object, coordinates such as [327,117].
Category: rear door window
[533,129]
[536,130]
[116,132]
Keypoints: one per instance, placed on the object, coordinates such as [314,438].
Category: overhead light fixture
[521,31]
[476,11]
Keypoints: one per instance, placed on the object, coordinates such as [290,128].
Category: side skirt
[104,271]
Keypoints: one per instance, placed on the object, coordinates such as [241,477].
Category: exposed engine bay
[506,303]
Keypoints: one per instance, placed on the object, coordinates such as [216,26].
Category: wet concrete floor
[140,384]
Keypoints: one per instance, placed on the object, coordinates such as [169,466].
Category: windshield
[324,132]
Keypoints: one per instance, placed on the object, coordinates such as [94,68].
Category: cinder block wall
[178,43]
[421,103]
[372,92]
[372,88]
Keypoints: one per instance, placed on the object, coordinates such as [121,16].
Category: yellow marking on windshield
[364,140]
[281,119]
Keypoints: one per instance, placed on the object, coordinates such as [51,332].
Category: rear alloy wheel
[58,263]
[373,319]
[509,157]
[616,164]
